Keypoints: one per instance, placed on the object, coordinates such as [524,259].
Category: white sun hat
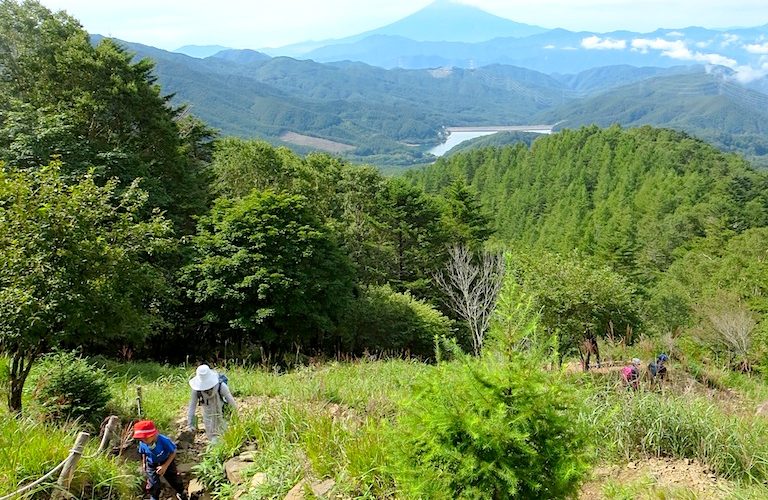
[206,378]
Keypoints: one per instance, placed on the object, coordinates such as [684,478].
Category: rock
[234,469]
[631,465]
[186,437]
[762,409]
[322,489]
[246,456]
[184,469]
[297,492]
[258,479]
[195,488]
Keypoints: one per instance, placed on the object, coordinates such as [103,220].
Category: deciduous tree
[75,266]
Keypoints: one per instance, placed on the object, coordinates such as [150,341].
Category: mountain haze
[445,20]
[387,95]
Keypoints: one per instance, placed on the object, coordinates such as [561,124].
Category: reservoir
[457,135]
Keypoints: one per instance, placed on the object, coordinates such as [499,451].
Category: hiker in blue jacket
[658,370]
[158,460]
[210,391]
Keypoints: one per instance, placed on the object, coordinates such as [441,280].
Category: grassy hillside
[336,422]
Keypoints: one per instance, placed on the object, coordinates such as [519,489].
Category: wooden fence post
[138,400]
[65,478]
[109,431]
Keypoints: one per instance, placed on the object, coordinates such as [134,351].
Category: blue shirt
[159,453]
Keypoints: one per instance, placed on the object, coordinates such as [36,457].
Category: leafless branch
[472,288]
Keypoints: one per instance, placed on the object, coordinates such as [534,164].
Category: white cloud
[675,34]
[705,44]
[645,44]
[757,48]
[729,39]
[746,74]
[677,49]
[550,46]
[595,42]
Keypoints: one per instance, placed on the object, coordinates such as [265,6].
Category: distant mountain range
[386,95]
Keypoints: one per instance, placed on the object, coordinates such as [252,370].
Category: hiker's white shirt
[213,409]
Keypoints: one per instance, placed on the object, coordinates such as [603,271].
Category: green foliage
[414,236]
[90,107]
[267,270]
[719,265]
[496,426]
[382,320]
[575,294]
[516,326]
[71,388]
[635,198]
[76,268]
[464,217]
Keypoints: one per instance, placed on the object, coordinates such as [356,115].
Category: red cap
[144,429]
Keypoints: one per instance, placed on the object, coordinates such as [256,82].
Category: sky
[255,24]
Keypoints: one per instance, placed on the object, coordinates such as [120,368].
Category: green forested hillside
[634,198]
[392,117]
[706,105]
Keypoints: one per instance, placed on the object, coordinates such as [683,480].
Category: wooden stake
[138,400]
[65,478]
[109,431]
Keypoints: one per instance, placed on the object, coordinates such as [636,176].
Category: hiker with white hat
[210,392]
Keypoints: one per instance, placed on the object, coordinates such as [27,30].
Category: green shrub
[382,320]
[490,428]
[70,388]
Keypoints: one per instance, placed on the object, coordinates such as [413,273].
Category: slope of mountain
[606,77]
[445,20]
[395,116]
[244,56]
[200,51]
[449,34]
[397,113]
[555,51]
[706,104]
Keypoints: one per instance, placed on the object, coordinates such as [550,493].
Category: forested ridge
[644,201]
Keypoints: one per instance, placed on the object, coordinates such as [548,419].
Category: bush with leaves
[70,388]
[491,427]
[382,319]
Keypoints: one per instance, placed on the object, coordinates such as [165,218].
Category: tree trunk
[21,363]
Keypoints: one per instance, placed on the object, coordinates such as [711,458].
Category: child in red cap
[158,459]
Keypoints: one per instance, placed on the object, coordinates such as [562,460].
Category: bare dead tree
[472,288]
[733,328]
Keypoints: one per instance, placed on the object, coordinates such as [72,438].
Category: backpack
[653,368]
[627,373]
[223,379]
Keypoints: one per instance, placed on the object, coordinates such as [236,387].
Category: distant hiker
[210,391]
[158,460]
[631,374]
[588,348]
[658,369]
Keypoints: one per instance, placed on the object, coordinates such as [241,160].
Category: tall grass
[28,450]
[649,424]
